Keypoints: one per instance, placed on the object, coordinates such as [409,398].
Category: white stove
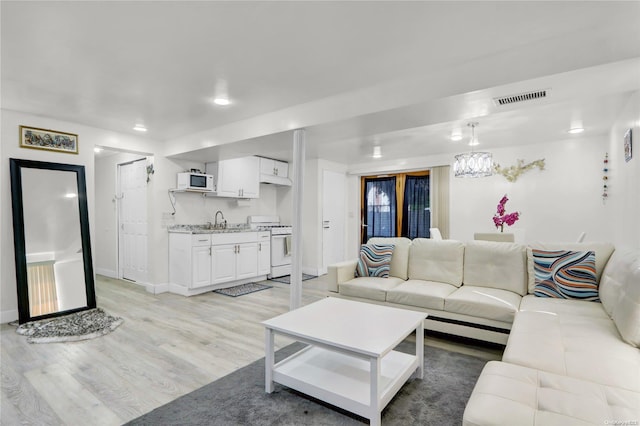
[280,242]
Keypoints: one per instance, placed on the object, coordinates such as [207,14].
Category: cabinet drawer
[264,236]
[200,240]
[234,238]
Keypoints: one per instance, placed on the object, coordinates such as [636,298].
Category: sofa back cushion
[620,293]
[436,260]
[614,277]
[602,251]
[496,265]
[400,257]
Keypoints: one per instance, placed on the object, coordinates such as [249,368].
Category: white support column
[295,289]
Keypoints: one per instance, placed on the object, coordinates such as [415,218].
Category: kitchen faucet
[223,222]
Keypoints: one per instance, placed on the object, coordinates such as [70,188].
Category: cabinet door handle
[209,251]
[259,246]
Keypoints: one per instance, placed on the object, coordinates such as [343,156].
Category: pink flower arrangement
[501,217]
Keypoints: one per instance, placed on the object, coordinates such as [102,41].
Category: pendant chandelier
[473,164]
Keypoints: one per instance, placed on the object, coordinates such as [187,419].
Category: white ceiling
[354,74]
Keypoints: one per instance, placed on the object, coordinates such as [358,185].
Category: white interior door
[333,218]
[132,217]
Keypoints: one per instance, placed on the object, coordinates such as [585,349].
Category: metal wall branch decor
[513,173]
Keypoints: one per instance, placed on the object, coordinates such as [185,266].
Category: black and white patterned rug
[242,289]
[82,325]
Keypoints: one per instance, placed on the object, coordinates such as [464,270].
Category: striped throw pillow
[375,260]
[565,274]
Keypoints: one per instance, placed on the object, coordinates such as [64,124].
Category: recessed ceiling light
[221,101]
[377,152]
[456,135]
[140,128]
[97,149]
[575,130]
[70,195]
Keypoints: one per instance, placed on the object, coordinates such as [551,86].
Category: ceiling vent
[520,97]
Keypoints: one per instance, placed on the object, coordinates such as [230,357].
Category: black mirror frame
[19,235]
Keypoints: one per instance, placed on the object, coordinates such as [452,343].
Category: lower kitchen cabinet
[200,262]
[201,267]
[264,258]
[230,262]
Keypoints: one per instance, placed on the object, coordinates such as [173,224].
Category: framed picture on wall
[627,146]
[50,140]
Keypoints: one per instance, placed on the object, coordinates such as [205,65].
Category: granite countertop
[209,229]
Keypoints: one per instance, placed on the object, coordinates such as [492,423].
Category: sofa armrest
[339,273]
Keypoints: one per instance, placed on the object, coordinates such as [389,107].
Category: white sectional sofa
[569,362]
[469,289]
[566,362]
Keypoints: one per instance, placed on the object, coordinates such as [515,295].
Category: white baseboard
[157,288]
[8,316]
[312,271]
[107,272]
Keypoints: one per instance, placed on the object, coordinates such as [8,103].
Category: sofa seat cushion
[516,395]
[424,294]
[373,288]
[579,346]
[484,302]
[564,307]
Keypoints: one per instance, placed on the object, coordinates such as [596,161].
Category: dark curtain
[380,215]
[416,214]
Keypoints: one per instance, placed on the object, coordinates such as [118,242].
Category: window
[43,297]
[380,215]
[396,205]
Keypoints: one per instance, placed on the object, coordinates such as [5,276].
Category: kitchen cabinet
[274,171]
[264,255]
[236,178]
[205,261]
[274,167]
[190,260]
[230,262]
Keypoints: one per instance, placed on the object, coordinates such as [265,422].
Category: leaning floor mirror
[54,270]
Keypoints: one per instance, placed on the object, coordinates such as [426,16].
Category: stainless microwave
[195,181]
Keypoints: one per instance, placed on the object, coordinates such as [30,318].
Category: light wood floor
[168,345]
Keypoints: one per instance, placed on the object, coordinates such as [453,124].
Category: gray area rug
[287,278]
[242,289]
[239,398]
[82,325]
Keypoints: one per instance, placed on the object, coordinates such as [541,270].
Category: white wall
[557,204]
[88,138]
[622,210]
[71,293]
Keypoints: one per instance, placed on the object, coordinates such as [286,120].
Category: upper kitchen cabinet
[274,171]
[236,178]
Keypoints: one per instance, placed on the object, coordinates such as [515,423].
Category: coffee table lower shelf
[344,380]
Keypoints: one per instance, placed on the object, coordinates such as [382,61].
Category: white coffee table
[350,361]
